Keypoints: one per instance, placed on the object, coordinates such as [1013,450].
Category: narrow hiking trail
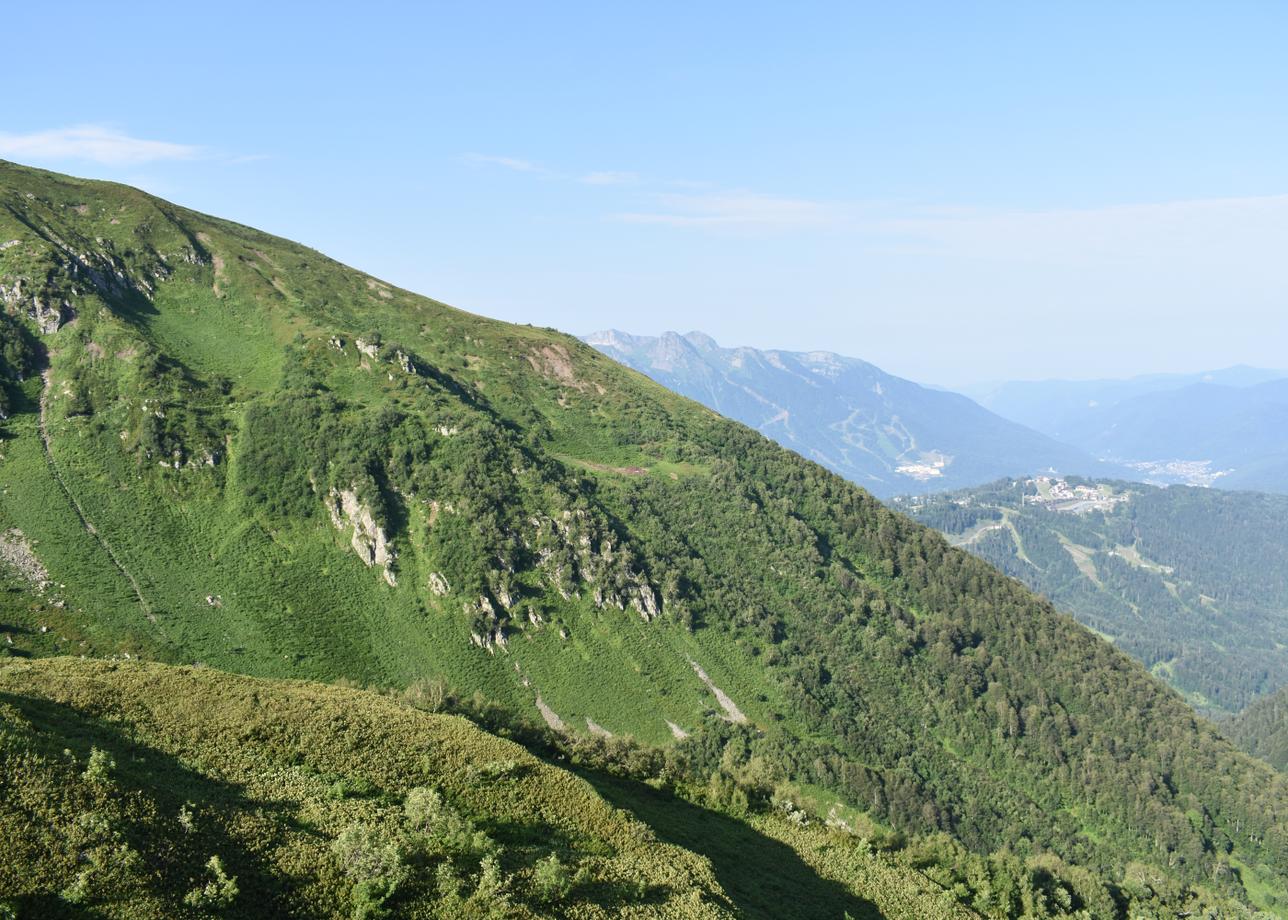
[46,443]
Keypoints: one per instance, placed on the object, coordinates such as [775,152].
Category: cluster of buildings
[1058,495]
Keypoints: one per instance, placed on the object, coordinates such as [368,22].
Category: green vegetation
[251,765]
[20,357]
[231,468]
[1262,729]
[146,790]
[1193,582]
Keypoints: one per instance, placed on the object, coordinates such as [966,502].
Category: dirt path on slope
[47,444]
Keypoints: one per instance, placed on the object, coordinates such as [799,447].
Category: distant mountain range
[1227,428]
[887,434]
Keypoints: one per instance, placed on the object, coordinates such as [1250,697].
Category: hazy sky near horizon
[955,192]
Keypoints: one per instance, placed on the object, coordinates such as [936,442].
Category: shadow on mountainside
[157,785]
[762,877]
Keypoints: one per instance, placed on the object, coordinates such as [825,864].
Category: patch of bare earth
[218,262]
[553,361]
[596,729]
[731,710]
[16,553]
[551,717]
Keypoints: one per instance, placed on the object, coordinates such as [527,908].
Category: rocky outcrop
[369,541]
[405,362]
[574,550]
[489,629]
[644,601]
[438,585]
[49,313]
[73,271]
[16,554]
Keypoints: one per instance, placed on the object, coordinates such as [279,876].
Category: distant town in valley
[1059,495]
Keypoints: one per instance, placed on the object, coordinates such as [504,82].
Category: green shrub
[217,893]
[492,891]
[373,862]
[98,770]
[551,879]
[441,826]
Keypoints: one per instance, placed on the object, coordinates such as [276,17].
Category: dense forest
[1192,581]
[1262,729]
[260,461]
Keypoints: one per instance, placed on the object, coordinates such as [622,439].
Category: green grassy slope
[268,775]
[237,425]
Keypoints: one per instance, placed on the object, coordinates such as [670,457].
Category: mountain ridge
[880,431]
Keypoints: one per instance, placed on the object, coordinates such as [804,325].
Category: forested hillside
[245,455]
[1192,581]
[1262,729]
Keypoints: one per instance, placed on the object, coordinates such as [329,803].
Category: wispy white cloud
[1207,230]
[93,143]
[513,163]
[610,177]
[736,210]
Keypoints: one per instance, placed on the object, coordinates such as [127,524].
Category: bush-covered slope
[1193,582]
[123,781]
[245,454]
[145,790]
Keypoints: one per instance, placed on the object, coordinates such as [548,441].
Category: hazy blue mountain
[1052,406]
[1227,428]
[885,433]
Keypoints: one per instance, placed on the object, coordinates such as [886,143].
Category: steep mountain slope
[1224,428]
[1262,729]
[244,454]
[1193,582]
[887,434]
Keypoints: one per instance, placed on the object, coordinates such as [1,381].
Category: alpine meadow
[323,598]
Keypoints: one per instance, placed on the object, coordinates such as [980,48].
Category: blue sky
[955,191]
